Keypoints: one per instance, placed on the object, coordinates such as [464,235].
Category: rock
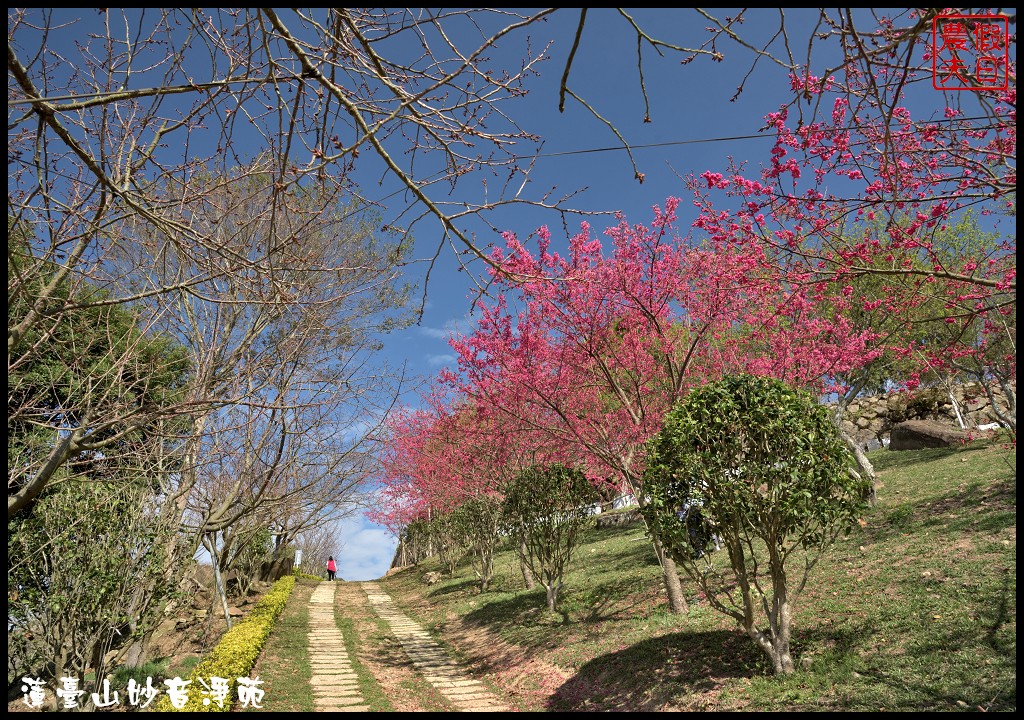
[919,434]
[235,612]
[806,661]
[432,578]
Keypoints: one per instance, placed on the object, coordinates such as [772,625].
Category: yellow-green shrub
[236,653]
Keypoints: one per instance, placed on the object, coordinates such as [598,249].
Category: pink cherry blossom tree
[603,345]
[873,191]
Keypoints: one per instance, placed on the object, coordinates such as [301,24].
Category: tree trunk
[866,468]
[218,580]
[524,568]
[677,604]
[780,617]
[673,587]
[136,655]
[552,595]
[485,567]
[956,408]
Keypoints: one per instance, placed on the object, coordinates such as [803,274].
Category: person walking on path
[331,567]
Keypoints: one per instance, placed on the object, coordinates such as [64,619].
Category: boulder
[432,578]
[919,434]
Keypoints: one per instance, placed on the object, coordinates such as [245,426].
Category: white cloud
[436,333]
[453,326]
[438,360]
[367,550]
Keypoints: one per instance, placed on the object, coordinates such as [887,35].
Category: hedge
[236,653]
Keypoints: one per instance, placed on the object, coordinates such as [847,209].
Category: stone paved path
[437,667]
[335,686]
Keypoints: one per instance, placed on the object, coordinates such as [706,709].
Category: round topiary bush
[758,468]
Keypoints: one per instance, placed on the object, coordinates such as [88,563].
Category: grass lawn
[914,611]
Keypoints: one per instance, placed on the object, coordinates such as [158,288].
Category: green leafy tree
[87,386]
[89,446]
[447,540]
[547,509]
[478,520]
[760,467]
[87,578]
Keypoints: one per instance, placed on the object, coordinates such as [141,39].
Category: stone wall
[869,420]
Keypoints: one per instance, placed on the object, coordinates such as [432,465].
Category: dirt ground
[510,668]
[526,680]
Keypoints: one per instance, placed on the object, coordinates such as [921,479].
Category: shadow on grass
[524,612]
[1001,617]
[988,508]
[992,624]
[670,671]
[860,678]
[943,689]
[649,674]
[509,611]
[454,587]
[886,459]
[612,600]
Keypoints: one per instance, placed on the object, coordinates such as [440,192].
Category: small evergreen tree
[772,479]
[478,521]
[547,509]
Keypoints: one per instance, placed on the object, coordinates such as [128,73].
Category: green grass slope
[914,611]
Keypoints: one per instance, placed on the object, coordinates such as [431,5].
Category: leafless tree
[269,423]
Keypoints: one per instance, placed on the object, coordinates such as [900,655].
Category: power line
[721,139]
[654,145]
[97,97]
